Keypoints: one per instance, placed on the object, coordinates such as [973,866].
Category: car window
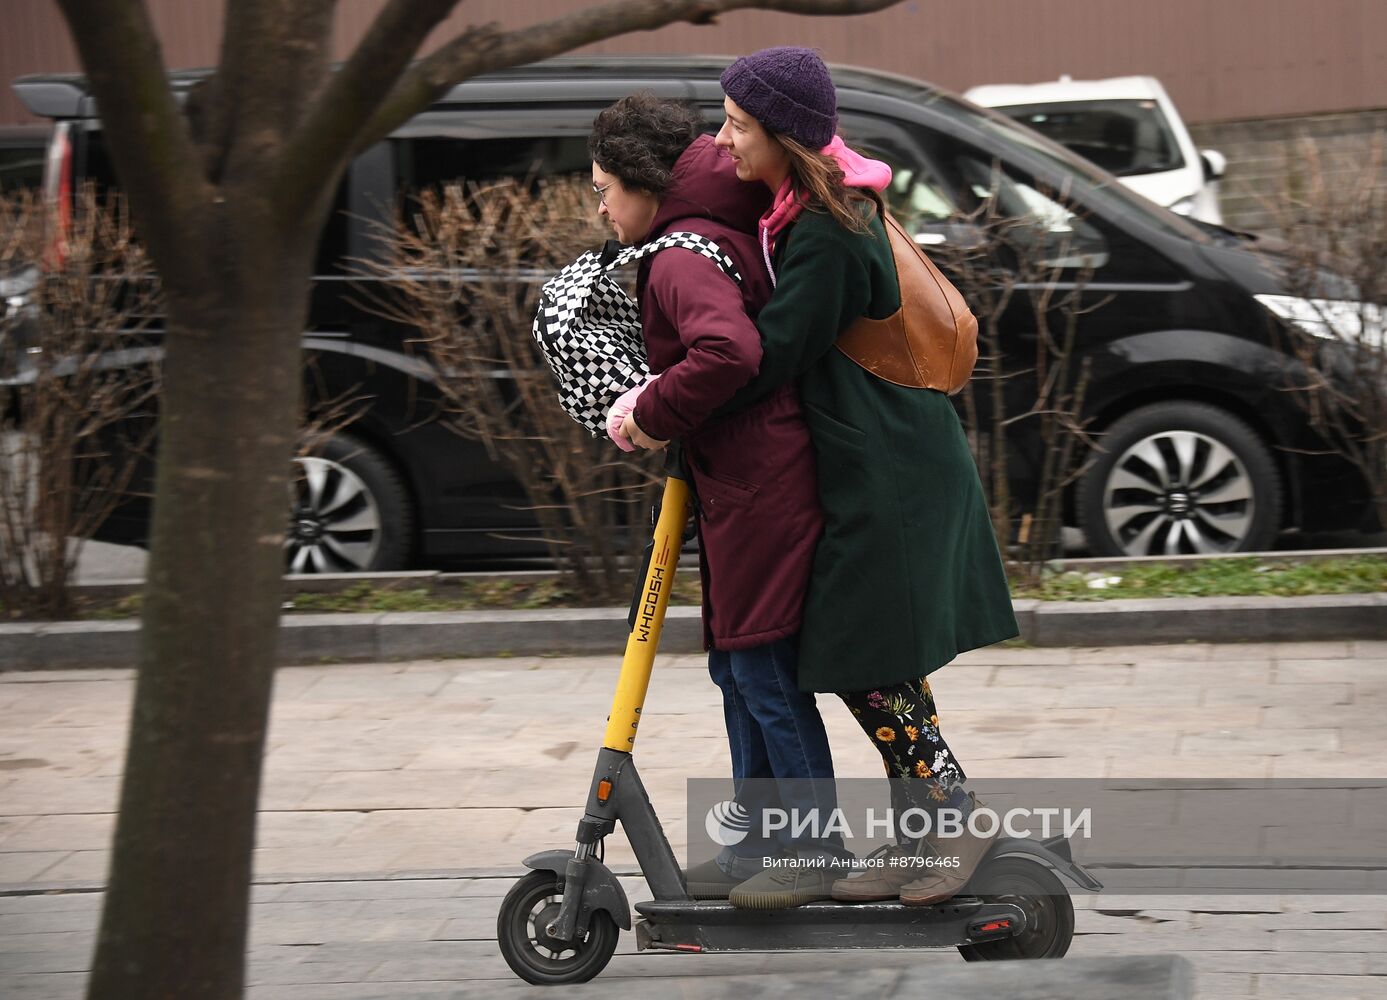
[916,193]
[428,162]
[1039,222]
[21,167]
[1089,182]
[918,196]
[97,169]
[939,185]
[1123,137]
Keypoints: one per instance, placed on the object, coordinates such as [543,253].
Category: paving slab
[399,798]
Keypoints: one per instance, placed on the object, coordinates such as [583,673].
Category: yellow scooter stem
[644,639]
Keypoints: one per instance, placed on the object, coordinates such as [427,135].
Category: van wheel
[1177,479]
[349,512]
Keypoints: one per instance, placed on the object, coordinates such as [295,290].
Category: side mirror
[1215,164]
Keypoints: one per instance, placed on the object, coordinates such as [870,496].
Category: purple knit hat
[788,90]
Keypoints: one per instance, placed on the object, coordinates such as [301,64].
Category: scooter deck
[700,925]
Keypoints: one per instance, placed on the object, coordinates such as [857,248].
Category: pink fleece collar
[784,210]
[858,171]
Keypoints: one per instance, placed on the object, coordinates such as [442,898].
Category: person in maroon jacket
[752,473]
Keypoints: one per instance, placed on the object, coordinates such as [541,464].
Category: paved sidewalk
[401,797]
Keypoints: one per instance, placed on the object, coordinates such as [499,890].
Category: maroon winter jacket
[752,473]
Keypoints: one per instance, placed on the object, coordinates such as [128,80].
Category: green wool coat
[907,574]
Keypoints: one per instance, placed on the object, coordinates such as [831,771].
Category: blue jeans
[780,755]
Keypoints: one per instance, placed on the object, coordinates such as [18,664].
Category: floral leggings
[903,725]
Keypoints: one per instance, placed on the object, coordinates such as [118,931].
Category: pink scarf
[858,171]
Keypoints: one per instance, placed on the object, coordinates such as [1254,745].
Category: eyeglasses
[601,192]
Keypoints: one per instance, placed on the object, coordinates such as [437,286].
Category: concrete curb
[365,638]
[445,583]
[1207,619]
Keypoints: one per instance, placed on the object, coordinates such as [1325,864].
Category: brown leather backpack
[931,342]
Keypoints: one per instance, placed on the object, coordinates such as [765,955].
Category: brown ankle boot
[963,855]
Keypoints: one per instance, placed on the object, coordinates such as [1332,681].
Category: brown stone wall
[1220,59]
[1265,156]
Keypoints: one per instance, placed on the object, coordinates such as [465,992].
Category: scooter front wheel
[1040,893]
[534,956]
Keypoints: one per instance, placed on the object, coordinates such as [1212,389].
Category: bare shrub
[1032,263]
[465,265]
[1334,258]
[80,379]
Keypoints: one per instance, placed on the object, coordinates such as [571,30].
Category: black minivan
[1202,449]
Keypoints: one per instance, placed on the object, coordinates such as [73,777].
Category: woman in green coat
[907,574]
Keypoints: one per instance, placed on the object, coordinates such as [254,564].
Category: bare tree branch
[312,156]
[274,58]
[355,92]
[148,137]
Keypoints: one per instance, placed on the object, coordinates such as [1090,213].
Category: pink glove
[620,410]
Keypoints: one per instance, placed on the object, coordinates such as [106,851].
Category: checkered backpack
[589,329]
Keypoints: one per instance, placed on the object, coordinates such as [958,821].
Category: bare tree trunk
[174,919]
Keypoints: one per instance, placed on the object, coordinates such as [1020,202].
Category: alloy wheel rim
[1178,493]
[334,525]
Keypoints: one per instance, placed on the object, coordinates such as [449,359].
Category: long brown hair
[821,179]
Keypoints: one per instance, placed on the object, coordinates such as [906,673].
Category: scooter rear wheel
[529,950]
[1049,911]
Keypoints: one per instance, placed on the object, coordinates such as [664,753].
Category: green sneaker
[783,886]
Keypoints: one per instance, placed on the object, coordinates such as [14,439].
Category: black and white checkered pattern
[589,329]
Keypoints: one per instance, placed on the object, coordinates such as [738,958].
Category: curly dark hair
[640,138]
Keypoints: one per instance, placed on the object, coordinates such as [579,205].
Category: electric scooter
[559,923]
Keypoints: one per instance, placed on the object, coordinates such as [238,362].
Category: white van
[1129,127]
